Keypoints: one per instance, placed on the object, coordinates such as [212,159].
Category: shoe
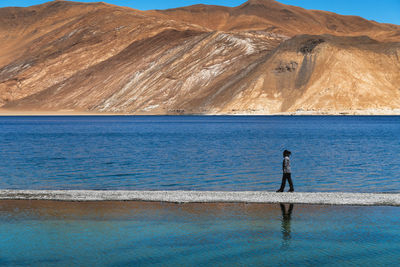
[291,190]
[279,191]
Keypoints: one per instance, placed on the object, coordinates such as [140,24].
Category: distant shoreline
[396,112]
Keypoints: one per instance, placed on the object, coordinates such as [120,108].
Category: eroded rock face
[286,66]
[200,59]
[308,46]
[340,74]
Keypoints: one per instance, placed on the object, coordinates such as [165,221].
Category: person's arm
[283,165]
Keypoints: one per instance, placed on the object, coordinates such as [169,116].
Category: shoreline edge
[316,198]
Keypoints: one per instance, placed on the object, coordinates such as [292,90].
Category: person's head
[287,153]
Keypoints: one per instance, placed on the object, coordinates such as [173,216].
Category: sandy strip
[66,112]
[331,198]
[7,112]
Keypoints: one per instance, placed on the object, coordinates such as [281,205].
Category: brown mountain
[273,17]
[262,57]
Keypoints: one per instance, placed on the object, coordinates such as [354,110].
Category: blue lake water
[352,154]
[47,233]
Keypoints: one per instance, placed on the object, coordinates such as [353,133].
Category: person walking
[287,173]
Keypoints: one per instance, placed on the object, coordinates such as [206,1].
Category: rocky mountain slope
[262,57]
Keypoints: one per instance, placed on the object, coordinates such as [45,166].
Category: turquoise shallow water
[39,233]
[353,154]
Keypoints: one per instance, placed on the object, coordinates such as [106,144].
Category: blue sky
[379,10]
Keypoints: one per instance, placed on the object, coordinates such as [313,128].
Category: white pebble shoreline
[331,198]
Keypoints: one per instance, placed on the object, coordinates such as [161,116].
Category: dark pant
[286,176]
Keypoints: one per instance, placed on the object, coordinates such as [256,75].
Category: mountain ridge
[199,59]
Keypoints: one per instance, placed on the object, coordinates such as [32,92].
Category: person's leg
[289,177]
[283,209]
[283,183]
[290,210]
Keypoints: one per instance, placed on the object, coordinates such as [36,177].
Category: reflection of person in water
[285,227]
